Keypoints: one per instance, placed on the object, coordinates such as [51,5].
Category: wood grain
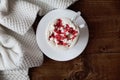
[101,58]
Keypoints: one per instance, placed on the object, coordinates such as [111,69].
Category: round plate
[54,53]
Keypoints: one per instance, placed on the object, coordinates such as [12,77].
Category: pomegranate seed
[64,44]
[60,43]
[67,26]
[55,29]
[59,20]
[58,37]
[71,30]
[59,31]
[73,37]
[52,35]
[59,23]
[74,32]
[63,32]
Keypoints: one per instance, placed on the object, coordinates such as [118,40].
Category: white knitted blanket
[17,20]
[11,52]
[3,5]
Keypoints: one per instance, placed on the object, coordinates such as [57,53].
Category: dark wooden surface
[101,58]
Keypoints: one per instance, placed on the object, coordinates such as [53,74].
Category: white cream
[53,42]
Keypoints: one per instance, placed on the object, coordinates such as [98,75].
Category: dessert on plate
[62,33]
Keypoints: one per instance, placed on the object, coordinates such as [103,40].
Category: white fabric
[48,5]
[20,17]
[17,22]
[32,55]
[17,74]
[22,14]
[10,51]
[3,5]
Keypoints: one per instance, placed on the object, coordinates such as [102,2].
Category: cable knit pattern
[21,16]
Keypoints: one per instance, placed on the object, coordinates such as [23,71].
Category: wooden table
[101,59]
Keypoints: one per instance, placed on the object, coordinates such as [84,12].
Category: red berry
[67,27]
[64,44]
[55,29]
[74,32]
[58,23]
[58,37]
[51,36]
[70,30]
[73,37]
[67,32]
[60,43]
[59,20]
[59,31]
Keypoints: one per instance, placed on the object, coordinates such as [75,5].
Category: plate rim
[48,44]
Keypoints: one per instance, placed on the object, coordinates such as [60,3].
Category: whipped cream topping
[62,33]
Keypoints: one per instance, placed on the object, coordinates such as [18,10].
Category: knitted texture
[11,53]
[48,5]
[3,5]
[20,17]
[32,54]
[17,74]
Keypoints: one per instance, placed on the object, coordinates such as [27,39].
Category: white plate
[56,54]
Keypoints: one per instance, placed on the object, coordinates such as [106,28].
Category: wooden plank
[104,66]
[101,58]
[107,45]
[52,70]
[96,66]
